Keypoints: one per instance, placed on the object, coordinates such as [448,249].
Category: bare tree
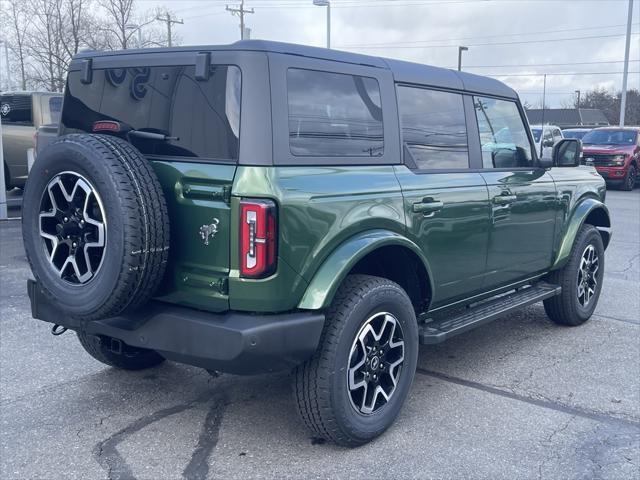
[16,22]
[125,28]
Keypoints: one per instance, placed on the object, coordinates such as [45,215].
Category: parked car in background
[615,152]
[22,113]
[575,132]
[552,135]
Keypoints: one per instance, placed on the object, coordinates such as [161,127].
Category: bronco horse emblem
[210,230]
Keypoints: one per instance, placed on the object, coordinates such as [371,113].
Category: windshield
[574,133]
[610,137]
[536,134]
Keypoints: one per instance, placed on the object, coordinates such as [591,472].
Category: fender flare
[573,225]
[325,282]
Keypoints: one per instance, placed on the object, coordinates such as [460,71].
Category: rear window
[16,109]
[201,118]
[334,114]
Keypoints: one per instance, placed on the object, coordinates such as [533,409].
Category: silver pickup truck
[22,114]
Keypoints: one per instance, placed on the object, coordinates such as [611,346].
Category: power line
[549,74]
[519,34]
[549,64]
[520,42]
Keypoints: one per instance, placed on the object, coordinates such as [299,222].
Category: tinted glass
[55,109]
[332,114]
[16,109]
[202,118]
[503,135]
[574,133]
[433,127]
[610,137]
[536,133]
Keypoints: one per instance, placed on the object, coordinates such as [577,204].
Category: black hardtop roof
[403,72]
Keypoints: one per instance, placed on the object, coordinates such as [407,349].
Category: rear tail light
[258,238]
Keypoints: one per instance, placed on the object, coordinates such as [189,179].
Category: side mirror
[567,152]
[545,162]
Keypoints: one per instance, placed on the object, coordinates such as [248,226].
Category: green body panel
[521,240]
[453,239]
[331,217]
[580,191]
[319,208]
[195,193]
[333,271]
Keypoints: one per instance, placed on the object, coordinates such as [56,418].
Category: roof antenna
[544,101]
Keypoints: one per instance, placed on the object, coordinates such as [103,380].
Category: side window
[503,134]
[433,128]
[334,114]
[16,109]
[55,108]
[557,136]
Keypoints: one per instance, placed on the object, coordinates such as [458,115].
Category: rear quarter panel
[318,208]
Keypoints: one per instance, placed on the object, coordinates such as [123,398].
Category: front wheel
[631,178]
[580,279]
[353,388]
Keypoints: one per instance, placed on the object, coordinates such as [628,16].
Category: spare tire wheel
[95,226]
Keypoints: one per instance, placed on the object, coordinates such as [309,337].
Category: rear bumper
[232,342]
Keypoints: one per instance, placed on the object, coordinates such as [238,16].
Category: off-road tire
[565,309]
[320,384]
[128,358]
[631,179]
[137,225]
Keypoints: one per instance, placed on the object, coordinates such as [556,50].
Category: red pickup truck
[615,152]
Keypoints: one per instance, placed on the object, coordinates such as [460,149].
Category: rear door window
[199,118]
[433,128]
[16,109]
[503,134]
[334,114]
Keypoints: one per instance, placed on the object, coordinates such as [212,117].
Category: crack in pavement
[609,317]
[110,459]
[546,403]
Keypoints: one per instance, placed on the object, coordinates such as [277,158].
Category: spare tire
[95,226]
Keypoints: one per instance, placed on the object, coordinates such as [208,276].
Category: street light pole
[326,3]
[460,50]
[623,96]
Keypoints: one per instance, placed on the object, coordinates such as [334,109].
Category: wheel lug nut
[74,244]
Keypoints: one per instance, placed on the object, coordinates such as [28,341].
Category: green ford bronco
[262,206]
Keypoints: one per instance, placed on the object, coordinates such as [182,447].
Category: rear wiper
[151,135]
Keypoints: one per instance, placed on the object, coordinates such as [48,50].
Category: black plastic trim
[232,342]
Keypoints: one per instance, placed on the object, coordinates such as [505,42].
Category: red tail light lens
[258,238]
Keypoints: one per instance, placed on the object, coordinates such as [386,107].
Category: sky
[505,37]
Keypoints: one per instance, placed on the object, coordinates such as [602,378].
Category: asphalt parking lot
[519,398]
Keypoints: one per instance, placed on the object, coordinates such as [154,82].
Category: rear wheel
[353,388]
[580,279]
[118,354]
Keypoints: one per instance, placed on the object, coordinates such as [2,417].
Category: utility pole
[460,50]
[240,13]
[577,98]
[169,22]
[623,96]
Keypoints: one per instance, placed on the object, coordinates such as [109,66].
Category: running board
[438,331]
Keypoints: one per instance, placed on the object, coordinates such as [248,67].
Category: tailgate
[197,198]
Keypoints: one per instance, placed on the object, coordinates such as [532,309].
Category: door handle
[427,206]
[504,199]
